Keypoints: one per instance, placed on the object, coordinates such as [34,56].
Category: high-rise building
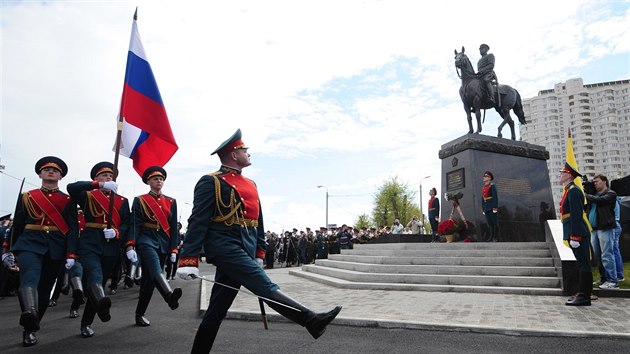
[599,118]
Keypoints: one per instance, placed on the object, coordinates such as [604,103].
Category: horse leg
[502,114]
[469,117]
[510,122]
[478,116]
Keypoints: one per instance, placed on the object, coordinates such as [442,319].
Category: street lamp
[326,204]
[421,213]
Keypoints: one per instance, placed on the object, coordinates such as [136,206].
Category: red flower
[448,227]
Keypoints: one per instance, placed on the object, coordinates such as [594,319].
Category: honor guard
[99,244]
[155,236]
[490,205]
[227,221]
[434,214]
[576,233]
[44,237]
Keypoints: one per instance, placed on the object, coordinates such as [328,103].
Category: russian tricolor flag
[146,136]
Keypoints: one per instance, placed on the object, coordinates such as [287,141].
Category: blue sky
[345,94]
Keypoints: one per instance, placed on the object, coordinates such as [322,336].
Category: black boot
[77,290]
[28,303]
[28,339]
[171,296]
[315,323]
[65,289]
[101,303]
[142,321]
[74,313]
[583,297]
[86,330]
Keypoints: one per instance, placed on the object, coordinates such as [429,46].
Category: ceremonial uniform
[576,233]
[434,214]
[489,206]
[97,254]
[155,236]
[227,221]
[44,236]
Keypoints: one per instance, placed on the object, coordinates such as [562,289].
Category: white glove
[260,262]
[187,273]
[110,185]
[132,256]
[173,257]
[8,259]
[69,263]
[574,244]
[109,233]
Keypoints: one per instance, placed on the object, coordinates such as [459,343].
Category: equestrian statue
[482,91]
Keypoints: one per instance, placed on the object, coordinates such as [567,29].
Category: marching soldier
[44,237]
[155,236]
[99,246]
[227,221]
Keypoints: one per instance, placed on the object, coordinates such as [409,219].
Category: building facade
[599,118]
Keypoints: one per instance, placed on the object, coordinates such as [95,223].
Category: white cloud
[340,93]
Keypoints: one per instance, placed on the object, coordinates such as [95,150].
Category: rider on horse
[485,70]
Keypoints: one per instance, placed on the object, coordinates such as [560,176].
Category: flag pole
[119,126]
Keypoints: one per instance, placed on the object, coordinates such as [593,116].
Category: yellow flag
[570,159]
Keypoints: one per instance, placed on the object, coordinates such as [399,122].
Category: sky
[340,94]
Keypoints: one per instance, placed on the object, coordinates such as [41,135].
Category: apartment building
[599,118]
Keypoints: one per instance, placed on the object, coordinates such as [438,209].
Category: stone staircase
[504,268]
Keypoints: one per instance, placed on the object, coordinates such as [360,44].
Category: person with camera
[601,214]
[414,224]
[397,228]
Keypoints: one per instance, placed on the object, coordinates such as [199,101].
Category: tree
[363,221]
[393,201]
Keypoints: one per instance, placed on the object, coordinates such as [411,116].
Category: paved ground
[485,313]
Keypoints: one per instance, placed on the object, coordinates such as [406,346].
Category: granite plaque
[455,180]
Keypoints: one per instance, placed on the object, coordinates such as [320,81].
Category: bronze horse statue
[473,94]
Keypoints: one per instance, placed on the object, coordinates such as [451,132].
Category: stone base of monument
[521,178]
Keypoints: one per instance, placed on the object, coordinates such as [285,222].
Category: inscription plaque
[455,180]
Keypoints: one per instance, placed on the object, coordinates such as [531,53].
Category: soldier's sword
[263,313]
[244,291]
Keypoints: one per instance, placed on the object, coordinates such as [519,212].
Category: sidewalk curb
[389,324]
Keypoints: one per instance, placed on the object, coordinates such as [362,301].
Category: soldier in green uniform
[45,235]
[576,232]
[99,245]
[156,237]
[227,221]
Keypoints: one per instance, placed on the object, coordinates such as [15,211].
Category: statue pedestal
[521,178]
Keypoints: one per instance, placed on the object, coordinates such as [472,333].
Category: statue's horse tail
[518,108]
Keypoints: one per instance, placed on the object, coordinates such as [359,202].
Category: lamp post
[326,204]
[421,213]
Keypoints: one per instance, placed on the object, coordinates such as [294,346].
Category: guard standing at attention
[155,236]
[45,233]
[434,214]
[490,205]
[576,233]
[227,221]
[99,246]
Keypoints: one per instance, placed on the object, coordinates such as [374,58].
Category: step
[467,261]
[539,253]
[439,269]
[436,279]
[454,246]
[344,284]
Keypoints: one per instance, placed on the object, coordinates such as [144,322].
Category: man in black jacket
[601,215]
